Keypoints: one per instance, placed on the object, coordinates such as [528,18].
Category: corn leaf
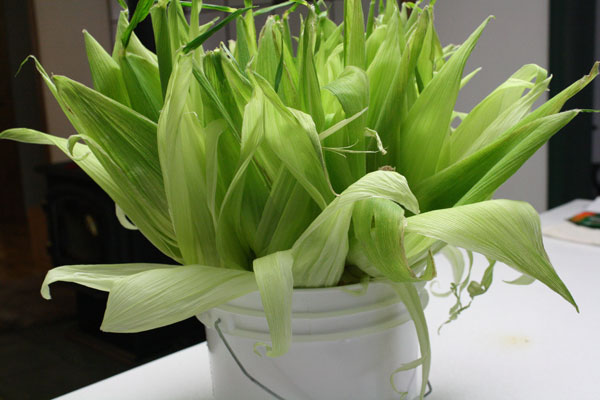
[308,80]
[320,252]
[142,80]
[266,10]
[130,137]
[163,296]
[267,58]
[106,73]
[216,109]
[245,46]
[231,241]
[179,30]
[410,297]
[373,43]
[354,35]
[379,230]
[351,89]
[133,159]
[426,61]
[153,225]
[206,6]
[523,280]
[162,42]
[393,86]
[141,12]
[517,156]
[237,80]
[491,108]
[510,117]
[100,277]
[296,144]
[275,283]
[512,149]
[204,36]
[370,18]
[134,46]
[503,230]
[181,145]
[429,118]
[250,27]
[288,212]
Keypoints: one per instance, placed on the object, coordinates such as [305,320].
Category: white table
[514,343]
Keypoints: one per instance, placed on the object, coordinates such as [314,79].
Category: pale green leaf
[468,77]
[320,252]
[117,135]
[106,73]
[392,91]
[491,108]
[297,145]
[308,81]
[164,296]
[504,156]
[524,279]
[379,230]
[351,89]
[556,103]
[134,46]
[503,230]
[179,30]
[275,283]
[517,156]
[163,43]
[142,80]
[155,226]
[181,145]
[267,58]
[429,118]
[288,212]
[100,277]
[354,34]
[410,297]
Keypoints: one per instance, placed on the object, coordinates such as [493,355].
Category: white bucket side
[346,348]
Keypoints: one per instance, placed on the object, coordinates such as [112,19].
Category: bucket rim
[361,286]
[357,290]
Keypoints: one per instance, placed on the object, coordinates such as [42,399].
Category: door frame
[572,54]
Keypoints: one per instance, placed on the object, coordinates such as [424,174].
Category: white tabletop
[514,342]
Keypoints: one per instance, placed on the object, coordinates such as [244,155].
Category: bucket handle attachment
[239,364]
[429,389]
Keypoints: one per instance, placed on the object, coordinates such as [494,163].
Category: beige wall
[519,35]
[62,50]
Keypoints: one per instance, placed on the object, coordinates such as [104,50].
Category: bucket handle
[239,364]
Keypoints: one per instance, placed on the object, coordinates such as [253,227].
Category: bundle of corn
[272,163]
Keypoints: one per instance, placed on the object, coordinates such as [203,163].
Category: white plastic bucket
[345,345]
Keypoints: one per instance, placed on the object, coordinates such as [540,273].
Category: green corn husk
[271,164]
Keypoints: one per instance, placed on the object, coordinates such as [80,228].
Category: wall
[62,50]
[23,103]
[519,35]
